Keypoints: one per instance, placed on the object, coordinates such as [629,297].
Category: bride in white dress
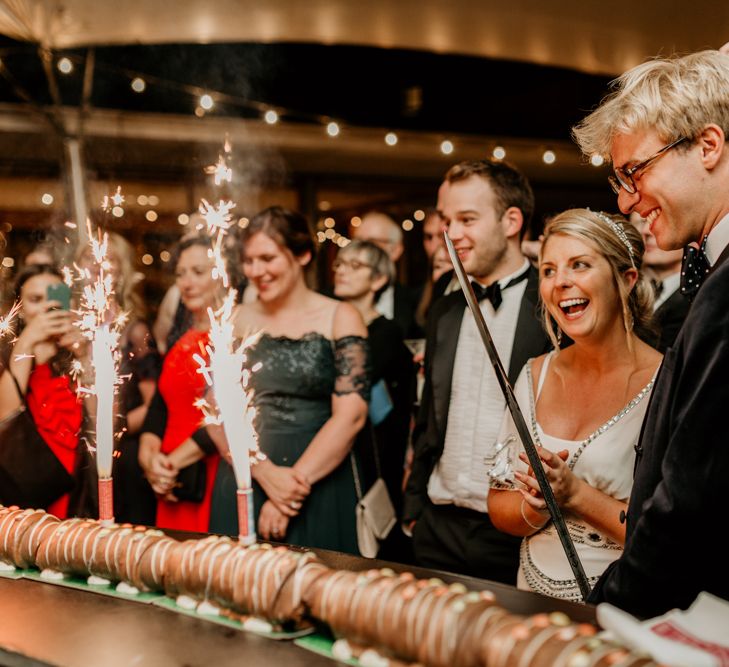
[584,404]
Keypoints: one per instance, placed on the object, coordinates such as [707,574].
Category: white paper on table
[697,637]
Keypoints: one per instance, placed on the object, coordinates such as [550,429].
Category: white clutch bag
[375,518]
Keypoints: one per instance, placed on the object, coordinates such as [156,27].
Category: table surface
[46,624]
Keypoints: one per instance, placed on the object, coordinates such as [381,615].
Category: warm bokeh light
[147,259]
[419,215]
[117,211]
[333,129]
[138,84]
[47,198]
[151,216]
[65,66]
[206,102]
[271,117]
[390,138]
[356,221]
[499,153]
[549,157]
[446,147]
[183,218]
[597,160]
[407,224]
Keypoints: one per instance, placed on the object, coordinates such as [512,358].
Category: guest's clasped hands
[565,485]
[286,489]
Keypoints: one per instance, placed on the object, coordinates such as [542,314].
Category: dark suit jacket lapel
[447,335]
[529,339]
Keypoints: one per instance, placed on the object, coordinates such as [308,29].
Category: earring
[559,336]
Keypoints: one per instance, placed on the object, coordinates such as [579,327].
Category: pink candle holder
[246,527]
[106,500]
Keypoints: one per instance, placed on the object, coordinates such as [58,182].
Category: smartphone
[60,292]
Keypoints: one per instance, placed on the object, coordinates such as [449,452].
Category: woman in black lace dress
[311,393]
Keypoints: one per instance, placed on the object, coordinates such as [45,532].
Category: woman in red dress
[175,418]
[39,362]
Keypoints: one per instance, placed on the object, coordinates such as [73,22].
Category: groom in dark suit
[486,205]
[665,127]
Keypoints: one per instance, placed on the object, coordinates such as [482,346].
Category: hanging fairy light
[138,84]
[446,147]
[549,157]
[206,102]
[65,66]
[333,129]
[271,117]
[499,153]
[391,139]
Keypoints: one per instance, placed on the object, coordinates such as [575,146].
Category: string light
[407,225]
[446,147]
[206,102]
[65,66]
[419,215]
[499,153]
[47,198]
[153,200]
[329,223]
[333,129]
[142,200]
[147,259]
[271,117]
[165,256]
[391,139]
[151,216]
[356,221]
[329,233]
[597,160]
[183,218]
[117,211]
[549,157]
[138,84]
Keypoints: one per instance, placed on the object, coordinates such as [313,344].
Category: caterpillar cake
[382,617]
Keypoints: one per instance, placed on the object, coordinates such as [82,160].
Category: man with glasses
[664,127]
[398,302]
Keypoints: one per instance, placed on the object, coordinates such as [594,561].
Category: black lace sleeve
[352,366]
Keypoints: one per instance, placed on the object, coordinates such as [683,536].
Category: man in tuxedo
[485,205]
[664,266]
[664,127]
[398,302]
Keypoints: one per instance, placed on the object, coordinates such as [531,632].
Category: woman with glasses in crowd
[362,271]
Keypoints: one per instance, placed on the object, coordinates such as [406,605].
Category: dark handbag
[191,482]
[30,473]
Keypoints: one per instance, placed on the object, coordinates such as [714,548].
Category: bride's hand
[565,485]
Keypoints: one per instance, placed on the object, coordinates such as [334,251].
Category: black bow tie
[694,268]
[493,291]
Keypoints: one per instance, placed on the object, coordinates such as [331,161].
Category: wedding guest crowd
[629,439]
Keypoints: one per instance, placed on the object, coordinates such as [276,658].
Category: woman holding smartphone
[35,367]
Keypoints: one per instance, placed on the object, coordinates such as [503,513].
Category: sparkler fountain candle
[98,323]
[225,372]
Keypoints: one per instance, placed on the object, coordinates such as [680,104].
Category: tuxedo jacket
[669,317]
[443,328]
[678,506]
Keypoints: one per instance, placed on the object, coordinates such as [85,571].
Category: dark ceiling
[360,86]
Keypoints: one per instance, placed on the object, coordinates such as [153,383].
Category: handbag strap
[355,472]
[355,469]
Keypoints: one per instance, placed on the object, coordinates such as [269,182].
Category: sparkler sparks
[117,199]
[220,171]
[7,321]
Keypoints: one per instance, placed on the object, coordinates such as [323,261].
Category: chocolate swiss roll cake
[288,604]
[154,552]
[14,525]
[31,540]
[50,551]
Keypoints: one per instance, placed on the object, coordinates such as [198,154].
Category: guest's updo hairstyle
[287,228]
[621,244]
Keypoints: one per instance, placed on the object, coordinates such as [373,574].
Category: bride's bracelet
[529,523]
